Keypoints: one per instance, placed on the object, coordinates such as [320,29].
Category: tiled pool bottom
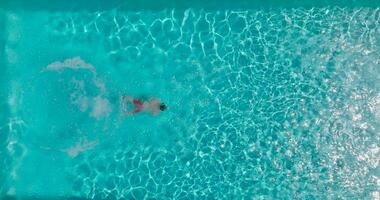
[262,104]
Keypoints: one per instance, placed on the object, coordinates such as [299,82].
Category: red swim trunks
[139,105]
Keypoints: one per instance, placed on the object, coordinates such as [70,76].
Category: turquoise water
[280,103]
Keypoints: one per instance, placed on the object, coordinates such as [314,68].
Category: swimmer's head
[162,107]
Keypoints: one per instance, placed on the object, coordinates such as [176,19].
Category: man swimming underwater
[152,106]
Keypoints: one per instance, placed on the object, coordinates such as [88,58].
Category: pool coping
[72,5]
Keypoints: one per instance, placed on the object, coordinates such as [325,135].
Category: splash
[71,63]
[81,146]
[101,107]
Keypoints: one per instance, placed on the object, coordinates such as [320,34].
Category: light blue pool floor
[262,104]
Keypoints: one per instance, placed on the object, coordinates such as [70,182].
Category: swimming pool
[263,103]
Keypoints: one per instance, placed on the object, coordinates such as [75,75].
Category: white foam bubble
[83,103]
[100,85]
[81,146]
[101,107]
[78,97]
[374,105]
[375,195]
[71,63]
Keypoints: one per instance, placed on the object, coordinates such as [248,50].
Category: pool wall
[179,4]
[4,112]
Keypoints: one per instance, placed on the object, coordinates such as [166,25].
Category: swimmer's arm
[124,99]
[122,104]
[127,98]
